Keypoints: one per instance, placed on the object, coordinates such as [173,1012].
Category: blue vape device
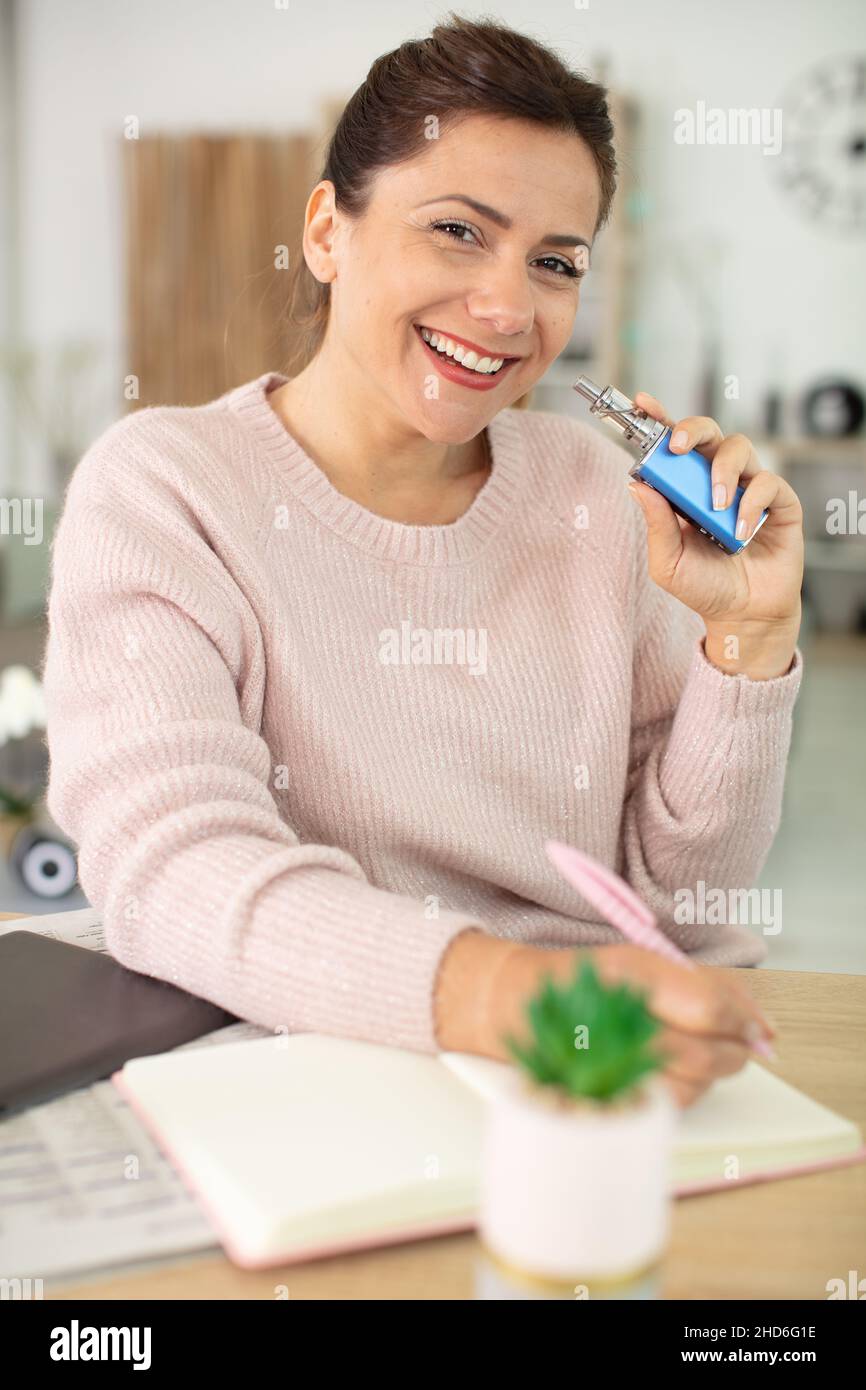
[684,479]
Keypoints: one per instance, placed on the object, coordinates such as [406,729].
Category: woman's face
[500,273]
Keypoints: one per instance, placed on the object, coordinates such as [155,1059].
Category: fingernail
[720,496]
[741,530]
[756,1030]
[679,440]
[763,1049]
[632,490]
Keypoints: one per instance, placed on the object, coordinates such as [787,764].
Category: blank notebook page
[752,1116]
[286,1135]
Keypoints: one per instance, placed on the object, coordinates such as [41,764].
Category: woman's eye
[564,267]
[445,227]
[457,231]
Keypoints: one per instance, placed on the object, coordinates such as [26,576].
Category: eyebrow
[554,238]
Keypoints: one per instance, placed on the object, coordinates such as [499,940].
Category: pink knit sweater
[300,747]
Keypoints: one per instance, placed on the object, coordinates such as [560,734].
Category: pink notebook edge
[440,1225]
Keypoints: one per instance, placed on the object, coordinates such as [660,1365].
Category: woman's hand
[708,1020]
[752,597]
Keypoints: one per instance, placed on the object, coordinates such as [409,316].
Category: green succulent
[12,805]
[588,1039]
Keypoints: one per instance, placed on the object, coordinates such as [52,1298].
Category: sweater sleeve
[706,773]
[154,681]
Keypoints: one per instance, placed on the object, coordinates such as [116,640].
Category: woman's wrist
[482,988]
[761,651]
[476,975]
[461,1001]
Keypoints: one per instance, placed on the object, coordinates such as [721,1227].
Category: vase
[576,1193]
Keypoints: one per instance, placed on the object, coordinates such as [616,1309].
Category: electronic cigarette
[684,479]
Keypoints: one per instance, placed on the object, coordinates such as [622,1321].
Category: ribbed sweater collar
[457,542]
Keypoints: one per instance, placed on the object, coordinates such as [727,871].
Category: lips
[468,344]
[454,371]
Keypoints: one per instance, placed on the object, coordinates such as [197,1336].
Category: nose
[504,299]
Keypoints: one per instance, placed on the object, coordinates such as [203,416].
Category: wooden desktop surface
[782,1239]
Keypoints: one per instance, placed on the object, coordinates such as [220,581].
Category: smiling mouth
[474,360]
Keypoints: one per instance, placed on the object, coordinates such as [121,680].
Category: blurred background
[154,156]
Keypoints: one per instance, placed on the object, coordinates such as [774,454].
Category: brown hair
[464,67]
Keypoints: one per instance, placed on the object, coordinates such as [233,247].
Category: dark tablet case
[70,1016]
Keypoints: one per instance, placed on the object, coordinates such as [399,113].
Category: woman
[329,658]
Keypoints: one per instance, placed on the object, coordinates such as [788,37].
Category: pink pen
[622,907]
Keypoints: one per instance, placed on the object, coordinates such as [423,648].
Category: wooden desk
[774,1240]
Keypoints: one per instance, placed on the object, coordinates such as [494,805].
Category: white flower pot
[574,1191]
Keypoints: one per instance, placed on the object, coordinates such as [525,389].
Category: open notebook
[306,1144]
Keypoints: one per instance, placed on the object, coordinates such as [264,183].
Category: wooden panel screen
[205,301]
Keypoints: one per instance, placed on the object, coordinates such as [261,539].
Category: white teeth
[485,366]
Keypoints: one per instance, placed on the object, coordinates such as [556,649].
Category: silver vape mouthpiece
[610,404]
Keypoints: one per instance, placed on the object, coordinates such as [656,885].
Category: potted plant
[22,711]
[41,857]
[575,1184]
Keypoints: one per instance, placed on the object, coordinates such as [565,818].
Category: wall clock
[822,163]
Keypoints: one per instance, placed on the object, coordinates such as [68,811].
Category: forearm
[705,799]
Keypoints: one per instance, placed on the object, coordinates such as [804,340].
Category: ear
[320,231]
